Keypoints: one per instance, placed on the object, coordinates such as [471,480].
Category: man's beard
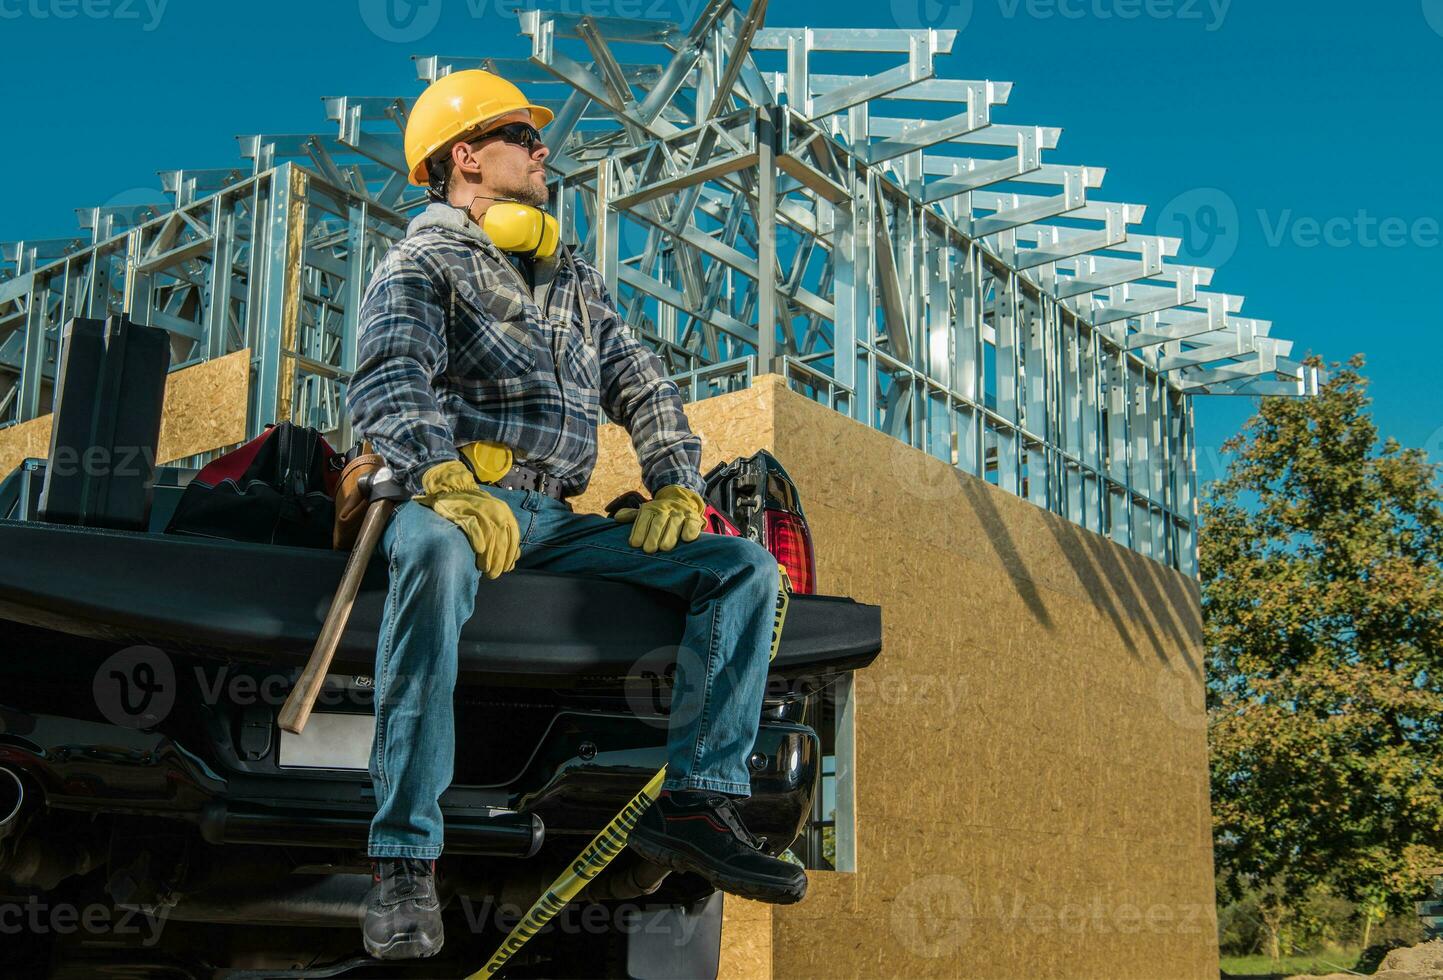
[528,193]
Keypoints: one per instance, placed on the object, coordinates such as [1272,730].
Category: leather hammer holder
[350,501]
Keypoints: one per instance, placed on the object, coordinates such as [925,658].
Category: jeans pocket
[522,504]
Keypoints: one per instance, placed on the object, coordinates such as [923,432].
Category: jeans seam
[705,726]
[384,687]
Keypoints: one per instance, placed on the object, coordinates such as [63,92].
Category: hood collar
[454,219]
[439,215]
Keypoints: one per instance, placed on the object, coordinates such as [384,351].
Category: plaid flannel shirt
[454,348]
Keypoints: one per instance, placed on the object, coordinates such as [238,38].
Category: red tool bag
[279,488]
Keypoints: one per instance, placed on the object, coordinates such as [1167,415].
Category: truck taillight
[791,543]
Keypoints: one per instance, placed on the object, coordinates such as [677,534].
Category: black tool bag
[276,489]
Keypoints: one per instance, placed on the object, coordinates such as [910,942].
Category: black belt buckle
[525,477]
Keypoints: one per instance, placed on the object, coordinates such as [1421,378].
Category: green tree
[1319,558]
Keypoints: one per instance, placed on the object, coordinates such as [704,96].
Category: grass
[1315,963]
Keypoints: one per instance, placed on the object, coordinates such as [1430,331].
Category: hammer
[382,491]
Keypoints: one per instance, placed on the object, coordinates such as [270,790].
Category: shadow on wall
[1135,587]
[1129,586]
[978,494]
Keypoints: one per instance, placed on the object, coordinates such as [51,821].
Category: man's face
[506,170]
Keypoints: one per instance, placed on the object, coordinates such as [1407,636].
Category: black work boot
[403,916]
[702,833]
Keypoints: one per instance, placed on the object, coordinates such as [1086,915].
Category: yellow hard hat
[455,104]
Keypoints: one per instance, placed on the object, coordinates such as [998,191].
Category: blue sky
[1300,141]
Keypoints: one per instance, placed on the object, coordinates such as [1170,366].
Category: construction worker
[486,350]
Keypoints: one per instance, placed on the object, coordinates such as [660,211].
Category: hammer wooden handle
[303,696]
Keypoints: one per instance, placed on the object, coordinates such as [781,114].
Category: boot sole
[679,859]
[406,946]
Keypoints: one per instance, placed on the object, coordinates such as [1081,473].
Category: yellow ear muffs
[521,228]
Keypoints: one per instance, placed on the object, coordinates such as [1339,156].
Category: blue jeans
[730,585]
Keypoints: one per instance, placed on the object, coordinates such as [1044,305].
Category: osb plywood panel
[205,408]
[731,425]
[21,442]
[746,948]
[1031,746]
[898,485]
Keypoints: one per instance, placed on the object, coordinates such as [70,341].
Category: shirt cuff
[410,478]
[689,478]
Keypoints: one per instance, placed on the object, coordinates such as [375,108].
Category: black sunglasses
[524,135]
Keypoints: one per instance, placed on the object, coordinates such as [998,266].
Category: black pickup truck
[156,822]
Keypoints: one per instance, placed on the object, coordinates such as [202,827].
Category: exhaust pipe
[40,856]
[12,800]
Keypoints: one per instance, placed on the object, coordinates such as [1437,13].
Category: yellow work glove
[675,513]
[453,493]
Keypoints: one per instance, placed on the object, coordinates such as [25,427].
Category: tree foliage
[1319,557]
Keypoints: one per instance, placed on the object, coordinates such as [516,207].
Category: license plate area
[331,740]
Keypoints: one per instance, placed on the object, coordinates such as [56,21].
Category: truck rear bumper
[581,773]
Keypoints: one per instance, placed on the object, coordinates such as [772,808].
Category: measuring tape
[594,857]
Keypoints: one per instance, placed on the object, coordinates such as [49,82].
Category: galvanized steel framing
[929,275]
